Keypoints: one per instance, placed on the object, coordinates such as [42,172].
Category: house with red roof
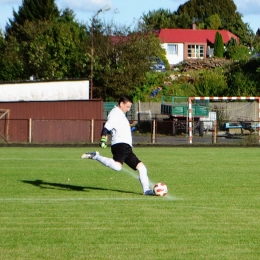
[184,44]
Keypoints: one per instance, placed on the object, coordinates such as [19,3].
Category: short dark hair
[125,99]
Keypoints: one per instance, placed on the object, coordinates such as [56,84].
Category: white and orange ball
[160,189]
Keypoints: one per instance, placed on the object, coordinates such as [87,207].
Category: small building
[49,112]
[184,44]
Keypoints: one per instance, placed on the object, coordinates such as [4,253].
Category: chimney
[194,24]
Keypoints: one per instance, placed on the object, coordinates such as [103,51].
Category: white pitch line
[40,159]
[73,199]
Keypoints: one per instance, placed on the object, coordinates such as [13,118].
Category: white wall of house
[178,56]
[45,91]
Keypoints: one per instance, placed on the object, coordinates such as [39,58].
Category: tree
[11,66]
[239,28]
[203,10]
[53,50]
[218,46]
[213,22]
[235,51]
[161,18]
[243,79]
[47,45]
[121,62]
[183,21]
[32,11]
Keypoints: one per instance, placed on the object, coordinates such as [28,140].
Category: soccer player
[121,144]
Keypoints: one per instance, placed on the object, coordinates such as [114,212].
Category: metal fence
[155,131]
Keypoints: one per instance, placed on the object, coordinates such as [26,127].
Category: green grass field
[54,205]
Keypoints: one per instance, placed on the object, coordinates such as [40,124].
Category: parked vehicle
[209,121]
[177,110]
[157,64]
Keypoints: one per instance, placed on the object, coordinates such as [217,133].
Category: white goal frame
[190,99]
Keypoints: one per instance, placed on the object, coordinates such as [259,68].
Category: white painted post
[153,132]
[214,132]
[92,131]
[190,119]
[30,130]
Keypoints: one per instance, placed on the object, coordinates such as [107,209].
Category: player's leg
[133,162]
[143,178]
[109,162]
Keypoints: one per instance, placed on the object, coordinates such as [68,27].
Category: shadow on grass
[60,186]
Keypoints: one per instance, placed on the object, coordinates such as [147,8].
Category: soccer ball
[160,189]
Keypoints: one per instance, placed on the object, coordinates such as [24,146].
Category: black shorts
[123,153]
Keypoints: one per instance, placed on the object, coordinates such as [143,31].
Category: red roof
[193,35]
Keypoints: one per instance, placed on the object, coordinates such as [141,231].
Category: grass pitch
[54,205]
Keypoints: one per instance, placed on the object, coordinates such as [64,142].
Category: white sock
[108,162]
[143,178]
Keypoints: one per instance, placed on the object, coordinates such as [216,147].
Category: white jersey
[118,124]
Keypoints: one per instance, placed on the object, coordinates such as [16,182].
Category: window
[172,49]
[195,51]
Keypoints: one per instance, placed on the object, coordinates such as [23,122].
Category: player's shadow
[60,186]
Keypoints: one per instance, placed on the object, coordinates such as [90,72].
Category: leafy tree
[256,44]
[32,11]
[213,22]
[51,47]
[230,19]
[152,81]
[243,78]
[218,46]
[11,66]
[208,14]
[161,18]
[239,28]
[183,21]
[121,62]
[203,9]
[52,50]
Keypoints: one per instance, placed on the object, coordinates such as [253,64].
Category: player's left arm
[103,139]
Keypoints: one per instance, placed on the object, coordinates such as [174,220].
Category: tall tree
[11,65]
[218,46]
[203,9]
[46,45]
[32,11]
[230,18]
[121,62]
[53,50]
[161,18]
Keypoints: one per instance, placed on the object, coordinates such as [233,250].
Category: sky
[127,12]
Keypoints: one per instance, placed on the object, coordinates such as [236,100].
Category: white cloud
[248,7]
[83,5]
[10,2]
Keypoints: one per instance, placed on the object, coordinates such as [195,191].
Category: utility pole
[104,9]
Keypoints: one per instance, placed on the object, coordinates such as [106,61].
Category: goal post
[190,99]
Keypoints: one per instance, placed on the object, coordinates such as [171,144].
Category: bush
[211,83]
[243,78]
[238,52]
